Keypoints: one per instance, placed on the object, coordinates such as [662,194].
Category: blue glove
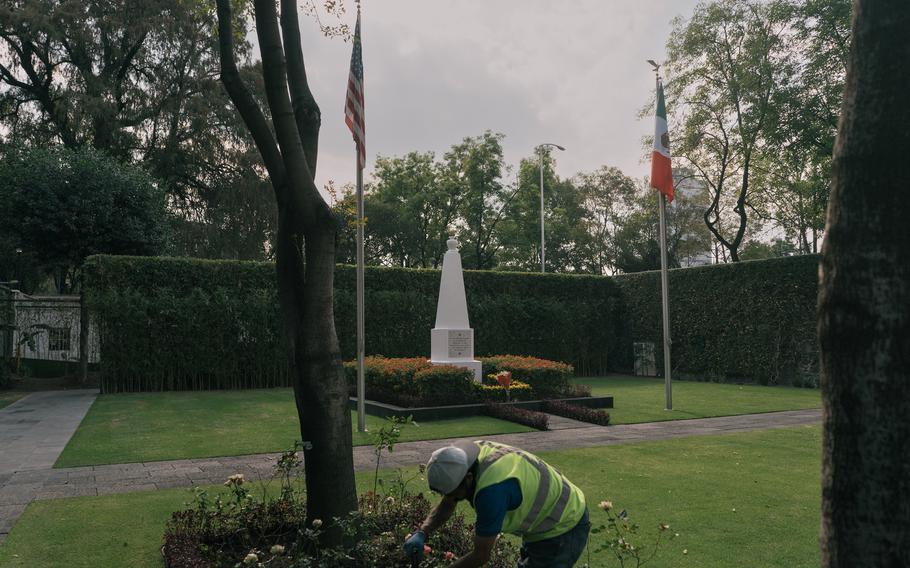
[413,547]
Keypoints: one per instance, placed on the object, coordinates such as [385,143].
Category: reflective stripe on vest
[547,475]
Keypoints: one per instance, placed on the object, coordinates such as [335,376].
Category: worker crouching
[512,491]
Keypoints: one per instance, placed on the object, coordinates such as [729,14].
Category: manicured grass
[9,397]
[641,399]
[126,428]
[750,499]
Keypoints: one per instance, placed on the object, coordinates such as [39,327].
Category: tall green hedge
[185,324]
[171,323]
[196,324]
[749,321]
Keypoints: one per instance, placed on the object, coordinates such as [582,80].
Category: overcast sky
[436,71]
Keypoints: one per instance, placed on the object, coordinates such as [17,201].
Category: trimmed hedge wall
[750,321]
[185,324]
[171,323]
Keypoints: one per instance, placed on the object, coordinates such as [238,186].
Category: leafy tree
[138,80]
[304,246]
[236,220]
[757,250]
[725,72]
[637,237]
[474,169]
[63,205]
[565,222]
[864,303]
[411,208]
[800,139]
[606,194]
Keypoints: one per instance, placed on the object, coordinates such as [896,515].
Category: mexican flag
[661,170]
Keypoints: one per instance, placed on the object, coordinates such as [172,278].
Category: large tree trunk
[864,303]
[305,246]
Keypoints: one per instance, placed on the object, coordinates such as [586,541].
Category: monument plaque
[459,344]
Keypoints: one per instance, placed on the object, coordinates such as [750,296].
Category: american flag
[353,108]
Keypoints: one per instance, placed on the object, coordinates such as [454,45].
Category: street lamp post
[543,248]
[19,267]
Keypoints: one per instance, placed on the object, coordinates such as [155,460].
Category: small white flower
[277,549]
[317,523]
[605,505]
[250,559]
[236,478]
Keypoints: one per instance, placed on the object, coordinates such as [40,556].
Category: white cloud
[536,70]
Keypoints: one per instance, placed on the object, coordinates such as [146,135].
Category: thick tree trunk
[321,390]
[305,246]
[864,303]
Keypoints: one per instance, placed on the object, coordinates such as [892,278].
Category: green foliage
[181,324]
[495,393]
[444,384]
[523,416]
[260,529]
[637,236]
[417,382]
[62,205]
[621,538]
[546,378]
[384,439]
[576,412]
[748,321]
[191,324]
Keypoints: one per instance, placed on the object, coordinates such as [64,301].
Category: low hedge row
[577,412]
[530,418]
[413,382]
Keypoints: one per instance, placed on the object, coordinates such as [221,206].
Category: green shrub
[547,378]
[445,384]
[530,418]
[495,393]
[741,322]
[577,412]
[170,323]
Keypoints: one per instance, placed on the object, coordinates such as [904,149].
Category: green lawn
[740,500]
[126,428]
[642,399]
[9,397]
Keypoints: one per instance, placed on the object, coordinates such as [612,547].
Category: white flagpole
[361,387]
[665,300]
[664,287]
[361,383]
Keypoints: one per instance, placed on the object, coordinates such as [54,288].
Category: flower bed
[519,415]
[244,530]
[413,382]
[576,412]
[548,379]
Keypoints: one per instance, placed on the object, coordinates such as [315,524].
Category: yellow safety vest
[550,504]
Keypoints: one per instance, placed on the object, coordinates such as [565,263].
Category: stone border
[418,413]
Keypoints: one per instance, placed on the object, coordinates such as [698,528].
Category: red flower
[504,378]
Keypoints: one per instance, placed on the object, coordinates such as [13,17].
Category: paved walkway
[33,432]
[20,488]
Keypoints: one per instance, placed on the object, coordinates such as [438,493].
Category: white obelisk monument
[452,340]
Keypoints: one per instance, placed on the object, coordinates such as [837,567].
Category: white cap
[449,465]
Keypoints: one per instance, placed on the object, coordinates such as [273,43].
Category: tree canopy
[62,205]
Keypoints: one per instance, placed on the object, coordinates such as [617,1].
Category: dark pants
[558,552]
